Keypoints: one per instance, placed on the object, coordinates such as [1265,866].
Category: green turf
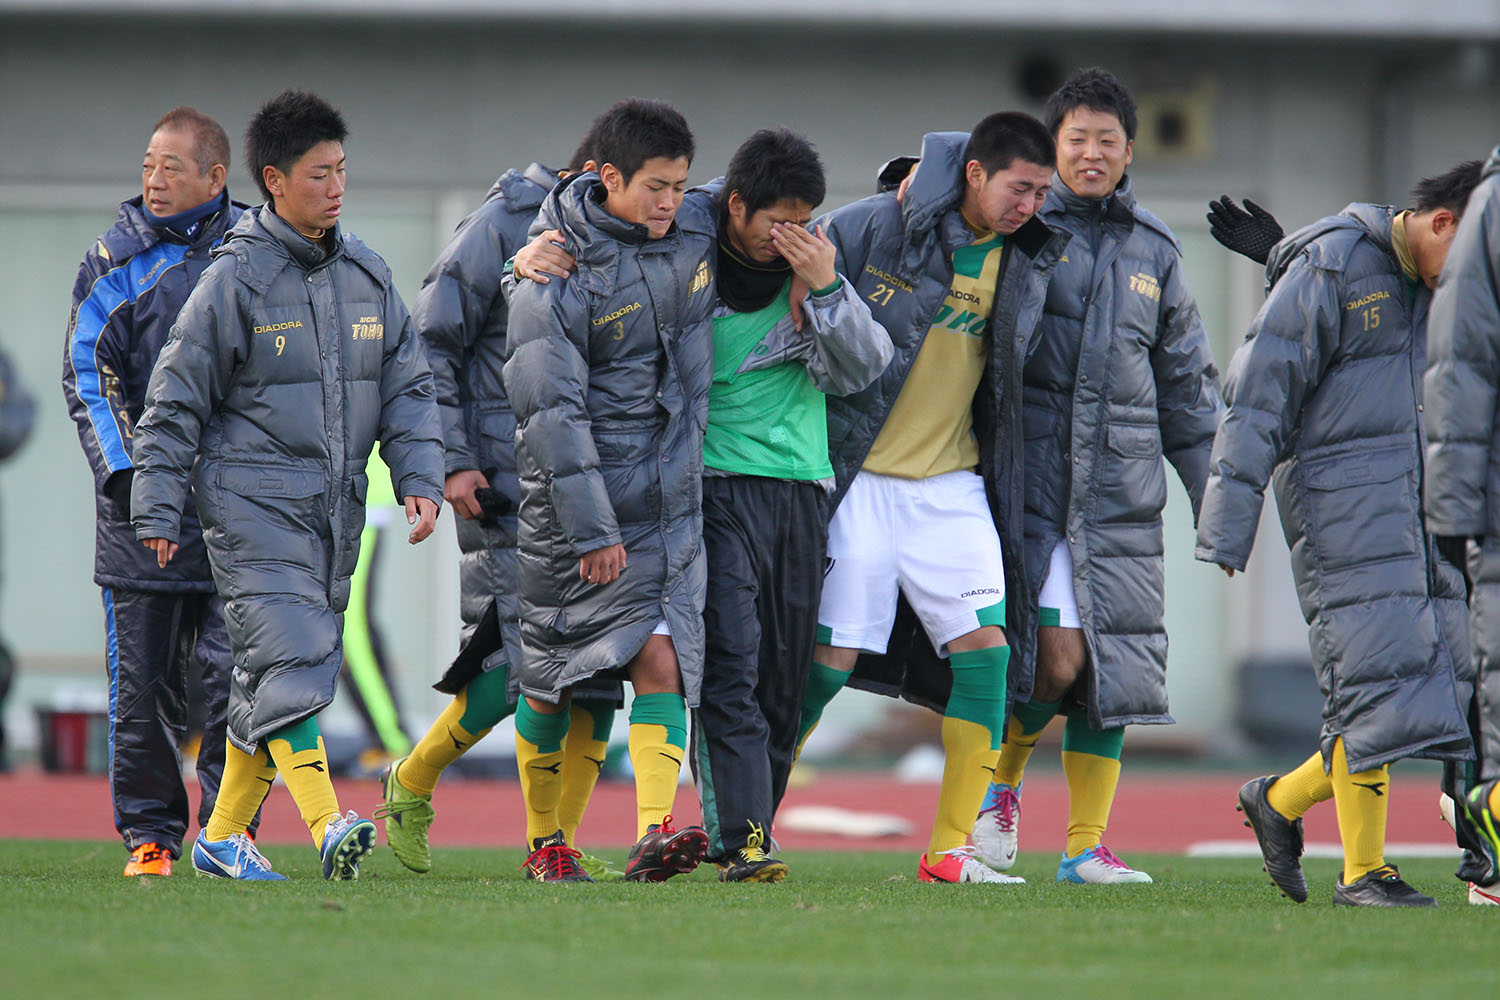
[856,924]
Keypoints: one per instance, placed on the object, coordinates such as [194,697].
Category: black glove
[1454,549]
[117,488]
[492,503]
[1251,233]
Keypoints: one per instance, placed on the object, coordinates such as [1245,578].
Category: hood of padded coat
[1358,218]
[1492,165]
[524,190]
[575,207]
[260,254]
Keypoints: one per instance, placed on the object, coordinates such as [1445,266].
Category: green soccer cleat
[599,869]
[1477,805]
[407,816]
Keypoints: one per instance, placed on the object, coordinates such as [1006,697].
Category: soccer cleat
[1381,887]
[1484,895]
[598,868]
[665,851]
[346,840]
[751,863]
[997,830]
[407,816]
[149,859]
[1280,839]
[552,860]
[1098,866]
[961,865]
[233,857]
[1477,805]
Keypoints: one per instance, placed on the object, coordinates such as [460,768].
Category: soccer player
[461,317]
[162,621]
[955,272]
[291,357]
[1462,385]
[608,375]
[766,474]
[1325,394]
[1120,376]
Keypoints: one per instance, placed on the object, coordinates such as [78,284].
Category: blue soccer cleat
[233,857]
[346,840]
[1097,866]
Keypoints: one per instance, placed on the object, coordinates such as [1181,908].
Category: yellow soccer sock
[1091,793]
[1297,791]
[539,760]
[971,743]
[968,764]
[1361,800]
[658,741]
[1027,723]
[443,743]
[246,782]
[584,751]
[298,753]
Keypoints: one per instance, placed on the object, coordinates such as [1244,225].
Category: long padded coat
[1121,376]
[608,374]
[284,367]
[1325,403]
[1463,434]
[462,317]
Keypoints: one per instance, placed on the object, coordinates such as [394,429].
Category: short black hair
[583,154]
[635,130]
[1006,136]
[284,128]
[1094,88]
[210,143]
[775,164]
[1450,189]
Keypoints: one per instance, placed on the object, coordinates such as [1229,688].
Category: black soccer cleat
[664,852]
[1280,839]
[552,860]
[751,863]
[1381,887]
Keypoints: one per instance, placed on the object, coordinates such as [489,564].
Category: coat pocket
[1362,506]
[274,512]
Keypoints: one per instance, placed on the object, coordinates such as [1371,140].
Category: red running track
[1155,811]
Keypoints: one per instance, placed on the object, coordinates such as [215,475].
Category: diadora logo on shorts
[981,592]
[1367,300]
[1146,285]
[701,278]
[277,327]
[368,328]
[622,311]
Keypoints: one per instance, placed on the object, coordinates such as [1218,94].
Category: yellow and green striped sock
[539,758]
[584,751]
[246,782]
[658,740]
[1091,764]
[299,755]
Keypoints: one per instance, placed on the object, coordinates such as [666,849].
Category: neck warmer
[187,222]
[744,285]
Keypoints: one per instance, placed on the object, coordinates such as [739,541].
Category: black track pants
[154,640]
[765,540]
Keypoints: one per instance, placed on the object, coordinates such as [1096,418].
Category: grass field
[846,924]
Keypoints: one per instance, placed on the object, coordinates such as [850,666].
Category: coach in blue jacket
[160,621]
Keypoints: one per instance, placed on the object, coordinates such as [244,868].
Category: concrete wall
[437,109]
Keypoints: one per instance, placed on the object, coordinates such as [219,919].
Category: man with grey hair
[160,621]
